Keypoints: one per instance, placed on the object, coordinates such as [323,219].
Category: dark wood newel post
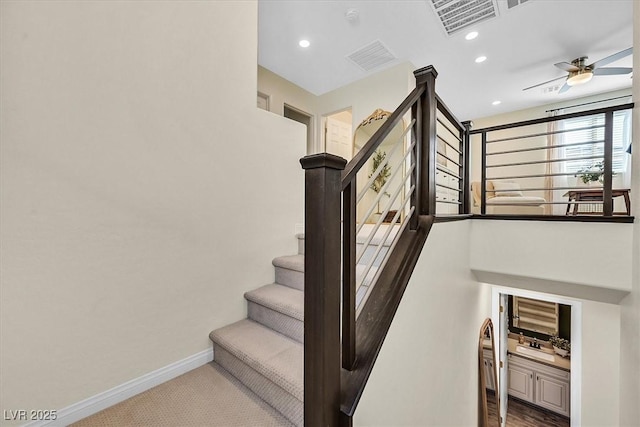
[322,289]
[427,173]
[466,164]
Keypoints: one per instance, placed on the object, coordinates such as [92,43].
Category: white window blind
[536,315]
[590,131]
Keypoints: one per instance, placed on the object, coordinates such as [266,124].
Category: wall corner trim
[100,401]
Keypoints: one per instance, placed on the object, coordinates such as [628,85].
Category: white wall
[429,353]
[593,254]
[385,89]
[630,316]
[281,92]
[555,257]
[426,373]
[137,179]
[600,364]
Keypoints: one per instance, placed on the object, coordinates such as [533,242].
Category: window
[584,137]
[536,315]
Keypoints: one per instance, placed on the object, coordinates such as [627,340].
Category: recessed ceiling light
[304,43]
[472,35]
[496,102]
[480,59]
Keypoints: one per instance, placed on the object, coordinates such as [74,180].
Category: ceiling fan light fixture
[579,77]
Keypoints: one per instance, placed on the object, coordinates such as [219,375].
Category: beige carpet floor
[206,396]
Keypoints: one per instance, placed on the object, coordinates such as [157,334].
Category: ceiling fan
[580,73]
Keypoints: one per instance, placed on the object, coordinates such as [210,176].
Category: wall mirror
[392,149]
[488,402]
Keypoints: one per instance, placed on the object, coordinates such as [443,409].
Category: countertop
[563,363]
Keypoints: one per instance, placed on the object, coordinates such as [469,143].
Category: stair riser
[286,325]
[293,279]
[285,403]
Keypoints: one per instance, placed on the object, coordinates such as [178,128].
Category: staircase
[265,351]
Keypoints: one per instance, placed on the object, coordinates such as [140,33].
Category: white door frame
[310,123]
[576,339]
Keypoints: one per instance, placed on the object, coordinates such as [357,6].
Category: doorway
[526,383]
[305,118]
[338,134]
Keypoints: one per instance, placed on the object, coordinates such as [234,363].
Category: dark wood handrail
[448,114]
[379,310]
[340,352]
[553,118]
[362,156]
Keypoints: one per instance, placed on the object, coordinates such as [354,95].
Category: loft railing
[452,170]
[356,273]
[569,165]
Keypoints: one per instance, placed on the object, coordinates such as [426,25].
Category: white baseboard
[103,400]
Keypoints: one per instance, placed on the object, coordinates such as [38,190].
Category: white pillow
[507,189]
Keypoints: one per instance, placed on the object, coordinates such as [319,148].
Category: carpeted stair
[265,351]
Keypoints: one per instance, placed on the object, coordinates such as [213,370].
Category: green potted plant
[384,174]
[560,345]
[594,173]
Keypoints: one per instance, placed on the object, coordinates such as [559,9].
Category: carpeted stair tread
[290,262]
[280,298]
[273,355]
[378,238]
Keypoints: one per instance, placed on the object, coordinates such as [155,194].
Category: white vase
[560,351]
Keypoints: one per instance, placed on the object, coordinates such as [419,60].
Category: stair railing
[530,157]
[339,352]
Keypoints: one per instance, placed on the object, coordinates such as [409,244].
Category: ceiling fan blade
[612,58]
[612,71]
[542,84]
[566,66]
[564,88]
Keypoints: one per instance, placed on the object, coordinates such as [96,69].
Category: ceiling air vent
[371,56]
[456,15]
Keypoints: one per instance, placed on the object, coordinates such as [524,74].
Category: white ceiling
[521,45]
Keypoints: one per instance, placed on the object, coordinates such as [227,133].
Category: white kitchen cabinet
[540,384]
